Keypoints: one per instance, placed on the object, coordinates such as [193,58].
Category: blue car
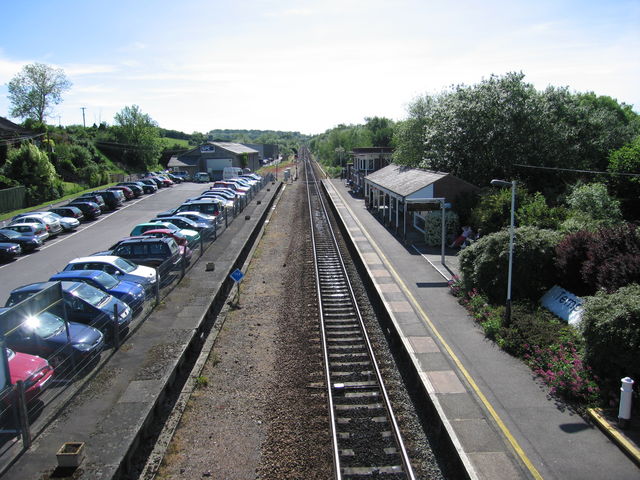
[84,304]
[45,335]
[130,293]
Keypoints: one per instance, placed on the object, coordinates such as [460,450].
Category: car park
[9,251]
[50,223]
[83,303]
[28,243]
[68,224]
[93,197]
[36,230]
[35,373]
[90,210]
[131,293]
[44,334]
[118,267]
[68,211]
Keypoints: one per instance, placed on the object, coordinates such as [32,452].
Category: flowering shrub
[547,345]
[561,367]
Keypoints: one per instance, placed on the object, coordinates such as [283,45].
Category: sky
[307,66]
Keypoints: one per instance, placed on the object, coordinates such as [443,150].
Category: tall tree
[31,167]
[35,90]
[139,135]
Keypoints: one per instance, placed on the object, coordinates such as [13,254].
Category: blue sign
[237,275]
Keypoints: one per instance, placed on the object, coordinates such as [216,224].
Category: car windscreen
[125,265]
[44,325]
[90,294]
[106,280]
[10,233]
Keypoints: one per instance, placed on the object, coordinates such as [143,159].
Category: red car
[180,239]
[34,371]
[128,193]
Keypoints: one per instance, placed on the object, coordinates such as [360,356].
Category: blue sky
[307,66]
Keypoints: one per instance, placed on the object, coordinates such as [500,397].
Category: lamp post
[512,184]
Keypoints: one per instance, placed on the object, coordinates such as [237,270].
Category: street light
[512,184]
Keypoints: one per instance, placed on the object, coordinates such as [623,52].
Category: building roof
[404,180]
[234,147]
[356,151]
[182,162]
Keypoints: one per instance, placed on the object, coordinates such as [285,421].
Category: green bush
[533,325]
[484,265]
[611,329]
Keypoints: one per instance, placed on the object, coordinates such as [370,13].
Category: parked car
[131,293]
[118,267]
[215,196]
[113,199]
[84,304]
[27,243]
[210,206]
[166,181]
[193,237]
[68,211]
[44,334]
[201,177]
[50,223]
[184,176]
[232,185]
[174,178]
[150,251]
[199,217]
[205,229]
[68,224]
[9,251]
[150,184]
[135,187]
[128,192]
[90,210]
[93,197]
[36,230]
[180,239]
[35,372]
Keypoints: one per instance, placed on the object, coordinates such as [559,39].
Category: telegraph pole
[83,122]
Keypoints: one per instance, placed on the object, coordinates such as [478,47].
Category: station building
[401,196]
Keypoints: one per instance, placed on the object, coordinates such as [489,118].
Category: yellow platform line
[507,433]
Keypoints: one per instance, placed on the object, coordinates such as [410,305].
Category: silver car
[52,224]
[68,223]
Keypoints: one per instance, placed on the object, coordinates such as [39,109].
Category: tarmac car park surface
[89,237]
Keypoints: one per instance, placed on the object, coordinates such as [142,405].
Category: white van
[231,172]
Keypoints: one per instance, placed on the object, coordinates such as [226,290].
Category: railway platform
[117,407]
[500,420]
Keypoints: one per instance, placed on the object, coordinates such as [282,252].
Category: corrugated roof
[404,180]
[234,147]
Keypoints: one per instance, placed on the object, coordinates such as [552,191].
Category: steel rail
[337,275]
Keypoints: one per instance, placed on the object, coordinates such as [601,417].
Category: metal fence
[12,198]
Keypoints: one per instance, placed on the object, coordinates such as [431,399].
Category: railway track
[365,435]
